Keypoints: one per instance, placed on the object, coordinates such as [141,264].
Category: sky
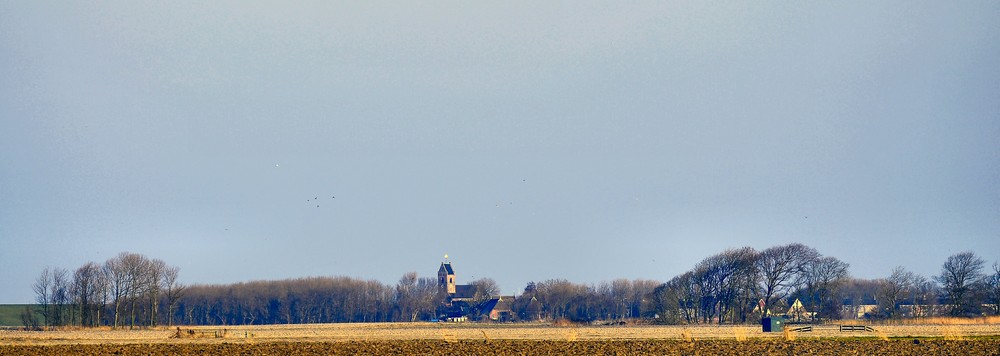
[527,140]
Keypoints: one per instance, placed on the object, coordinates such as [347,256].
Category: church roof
[465,291]
[446,267]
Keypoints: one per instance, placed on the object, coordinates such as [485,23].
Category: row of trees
[413,298]
[310,300]
[732,287]
[561,299]
[318,300]
[741,285]
[965,288]
[128,289]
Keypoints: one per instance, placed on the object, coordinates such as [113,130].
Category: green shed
[773,323]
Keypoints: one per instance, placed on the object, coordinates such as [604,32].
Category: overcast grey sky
[528,140]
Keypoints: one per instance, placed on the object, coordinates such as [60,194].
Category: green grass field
[10,314]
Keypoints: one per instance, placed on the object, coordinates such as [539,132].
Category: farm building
[498,309]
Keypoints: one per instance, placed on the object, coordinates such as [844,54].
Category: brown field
[471,338]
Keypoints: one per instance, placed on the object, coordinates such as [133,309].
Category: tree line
[732,287]
[743,285]
[126,290]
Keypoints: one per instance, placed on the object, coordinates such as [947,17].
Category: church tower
[446,277]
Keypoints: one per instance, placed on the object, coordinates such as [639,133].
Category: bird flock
[316,199]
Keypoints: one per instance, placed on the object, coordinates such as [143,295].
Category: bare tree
[155,270]
[52,292]
[416,297]
[173,290]
[87,284]
[958,275]
[638,305]
[781,269]
[823,276]
[924,295]
[672,302]
[43,293]
[617,294]
[28,318]
[60,295]
[137,271]
[119,284]
[727,282]
[892,289]
[486,288]
[993,288]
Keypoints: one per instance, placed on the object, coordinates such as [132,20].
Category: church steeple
[446,277]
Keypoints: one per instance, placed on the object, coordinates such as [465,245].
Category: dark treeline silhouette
[561,299]
[735,286]
[126,290]
[743,285]
[304,300]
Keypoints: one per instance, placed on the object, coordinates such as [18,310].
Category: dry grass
[952,333]
[686,335]
[881,335]
[740,334]
[986,320]
[787,334]
[455,333]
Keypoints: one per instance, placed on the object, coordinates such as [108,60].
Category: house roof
[446,268]
[489,305]
[465,291]
[501,304]
[797,307]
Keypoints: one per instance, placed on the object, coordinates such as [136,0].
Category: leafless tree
[959,274]
[138,272]
[924,296]
[781,269]
[87,286]
[993,288]
[638,304]
[416,297]
[892,289]
[727,282]
[486,288]
[173,289]
[618,295]
[672,302]
[119,272]
[52,292]
[28,318]
[155,271]
[61,286]
[823,277]
[43,293]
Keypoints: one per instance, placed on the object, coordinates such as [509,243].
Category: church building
[464,302]
[456,292]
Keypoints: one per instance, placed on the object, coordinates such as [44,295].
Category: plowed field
[532,347]
[516,339]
